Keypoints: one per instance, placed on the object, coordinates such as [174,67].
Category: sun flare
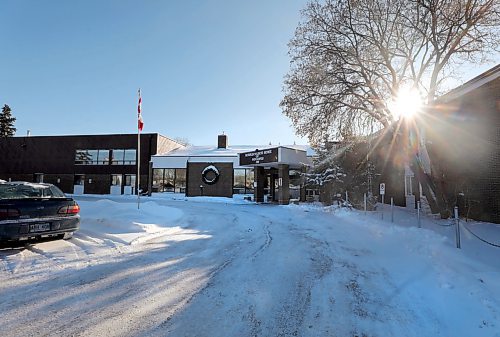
[406,104]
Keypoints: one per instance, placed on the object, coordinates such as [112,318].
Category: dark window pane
[129,157]
[249,181]
[103,157]
[86,157]
[169,180]
[79,179]
[180,180]
[118,157]
[116,179]
[93,154]
[239,181]
[295,178]
[82,157]
[130,180]
[158,181]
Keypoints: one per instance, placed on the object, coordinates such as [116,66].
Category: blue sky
[74,67]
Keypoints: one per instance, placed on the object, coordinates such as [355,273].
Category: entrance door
[116,184]
[38,177]
[129,187]
[78,184]
[271,185]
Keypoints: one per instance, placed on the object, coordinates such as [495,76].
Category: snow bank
[125,223]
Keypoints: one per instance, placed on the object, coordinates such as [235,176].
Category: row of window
[169,180]
[174,180]
[106,157]
[116,179]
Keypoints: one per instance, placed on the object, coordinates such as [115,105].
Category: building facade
[225,170]
[463,141]
[449,155]
[90,164]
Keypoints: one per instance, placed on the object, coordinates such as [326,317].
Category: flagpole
[139,153]
[138,168]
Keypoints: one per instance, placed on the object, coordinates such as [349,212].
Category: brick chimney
[222,141]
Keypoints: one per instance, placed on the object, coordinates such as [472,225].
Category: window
[79,179]
[130,180]
[116,180]
[239,181]
[180,180]
[124,157]
[243,181]
[158,180]
[129,157]
[249,180]
[103,157]
[92,157]
[86,157]
[295,183]
[38,177]
[117,157]
[295,178]
[169,180]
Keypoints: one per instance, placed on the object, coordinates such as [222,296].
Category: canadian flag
[140,123]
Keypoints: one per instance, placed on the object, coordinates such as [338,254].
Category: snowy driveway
[186,268]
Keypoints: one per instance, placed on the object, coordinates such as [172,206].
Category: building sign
[259,157]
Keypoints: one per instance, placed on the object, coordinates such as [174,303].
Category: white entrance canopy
[294,155]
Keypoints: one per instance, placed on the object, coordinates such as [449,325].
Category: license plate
[40,227]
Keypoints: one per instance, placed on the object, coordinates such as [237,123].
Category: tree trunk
[432,191]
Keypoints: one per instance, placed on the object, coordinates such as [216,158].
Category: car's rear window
[26,191]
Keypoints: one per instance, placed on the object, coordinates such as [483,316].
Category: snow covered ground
[226,267]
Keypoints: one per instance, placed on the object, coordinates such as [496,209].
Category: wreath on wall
[210,175]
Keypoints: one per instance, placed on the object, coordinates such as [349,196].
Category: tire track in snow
[191,297]
[266,243]
[12,258]
[20,264]
[291,318]
[45,255]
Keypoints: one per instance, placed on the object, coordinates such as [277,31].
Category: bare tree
[349,58]
[183,141]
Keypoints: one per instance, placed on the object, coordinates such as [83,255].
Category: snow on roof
[232,151]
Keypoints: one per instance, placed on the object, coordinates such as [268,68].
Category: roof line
[474,83]
[89,135]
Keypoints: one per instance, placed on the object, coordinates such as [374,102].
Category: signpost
[382,189]
[382,193]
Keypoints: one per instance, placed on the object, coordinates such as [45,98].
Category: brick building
[462,135]
[450,154]
[225,170]
[97,164]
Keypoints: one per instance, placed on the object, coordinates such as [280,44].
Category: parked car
[35,210]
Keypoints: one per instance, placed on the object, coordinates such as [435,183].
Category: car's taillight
[72,209]
[6,213]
